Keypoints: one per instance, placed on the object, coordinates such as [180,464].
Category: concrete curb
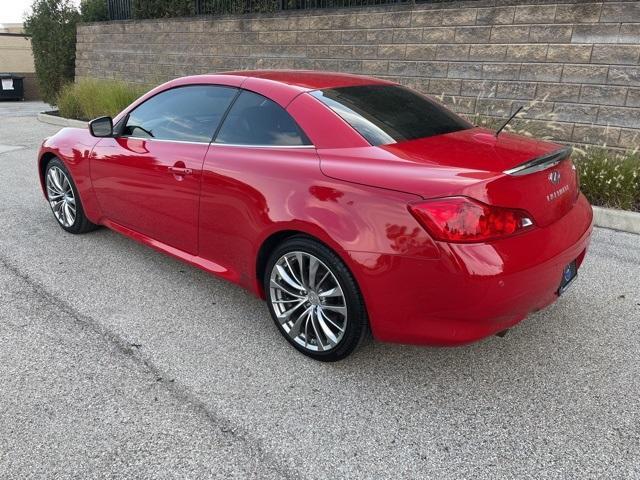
[44,117]
[621,220]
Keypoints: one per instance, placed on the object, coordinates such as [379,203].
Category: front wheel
[314,300]
[64,200]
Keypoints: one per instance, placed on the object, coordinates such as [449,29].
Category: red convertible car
[349,203]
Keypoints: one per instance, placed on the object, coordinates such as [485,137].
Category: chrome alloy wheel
[308,301]
[61,197]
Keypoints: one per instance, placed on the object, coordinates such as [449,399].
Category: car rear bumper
[472,290]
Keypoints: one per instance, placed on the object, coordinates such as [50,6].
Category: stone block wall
[574,65]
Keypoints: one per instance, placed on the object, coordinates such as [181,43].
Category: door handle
[180,170]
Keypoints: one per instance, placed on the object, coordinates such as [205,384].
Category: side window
[190,113]
[256,120]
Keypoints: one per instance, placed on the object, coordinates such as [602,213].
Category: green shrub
[68,103]
[162,8]
[610,180]
[52,26]
[94,10]
[90,98]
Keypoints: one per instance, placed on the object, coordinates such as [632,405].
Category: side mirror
[101,127]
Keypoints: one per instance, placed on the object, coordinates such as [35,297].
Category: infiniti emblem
[554,177]
[314,299]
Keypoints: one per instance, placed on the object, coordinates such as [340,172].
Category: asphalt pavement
[117,361]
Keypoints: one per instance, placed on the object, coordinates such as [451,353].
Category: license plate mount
[569,274]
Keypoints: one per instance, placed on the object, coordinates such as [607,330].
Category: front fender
[73,146]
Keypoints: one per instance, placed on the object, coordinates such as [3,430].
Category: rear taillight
[462,219]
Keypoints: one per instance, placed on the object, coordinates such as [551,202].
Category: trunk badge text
[557,193]
[554,177]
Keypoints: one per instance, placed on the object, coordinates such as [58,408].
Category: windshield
[385,114]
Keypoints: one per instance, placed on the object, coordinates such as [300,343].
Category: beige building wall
[11,28]
[15,54]
[16,57]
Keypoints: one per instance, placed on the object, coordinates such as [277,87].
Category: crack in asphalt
[11,148]
[178,391]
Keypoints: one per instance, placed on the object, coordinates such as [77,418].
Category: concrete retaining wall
[575,64]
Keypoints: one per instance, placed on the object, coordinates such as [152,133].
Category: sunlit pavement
[118,361]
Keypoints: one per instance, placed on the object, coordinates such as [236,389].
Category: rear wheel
[314,300]
[64,200]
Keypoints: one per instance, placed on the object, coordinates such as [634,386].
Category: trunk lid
[468,162]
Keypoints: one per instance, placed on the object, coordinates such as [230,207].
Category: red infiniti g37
[348,203]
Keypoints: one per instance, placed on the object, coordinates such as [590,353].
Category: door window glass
[190,113]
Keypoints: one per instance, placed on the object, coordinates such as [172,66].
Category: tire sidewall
[78,221]
[356,314]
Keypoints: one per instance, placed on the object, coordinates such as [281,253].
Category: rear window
[385,114]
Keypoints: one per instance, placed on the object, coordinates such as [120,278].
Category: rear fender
[349,218]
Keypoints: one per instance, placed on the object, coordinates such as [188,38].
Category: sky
[12,11]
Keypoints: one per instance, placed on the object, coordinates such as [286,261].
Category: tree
[163,8]
[94,10]
[52,26]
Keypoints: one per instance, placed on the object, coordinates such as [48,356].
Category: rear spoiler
[541,163]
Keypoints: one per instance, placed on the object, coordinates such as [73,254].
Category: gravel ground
[117,361]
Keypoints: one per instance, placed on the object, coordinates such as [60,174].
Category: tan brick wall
[576,65]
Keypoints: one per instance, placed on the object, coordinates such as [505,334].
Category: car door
[257,142]
[148,177]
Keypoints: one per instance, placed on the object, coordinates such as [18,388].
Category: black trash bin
[11,87]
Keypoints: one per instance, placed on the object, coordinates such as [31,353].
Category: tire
[63,199]
[323,314]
